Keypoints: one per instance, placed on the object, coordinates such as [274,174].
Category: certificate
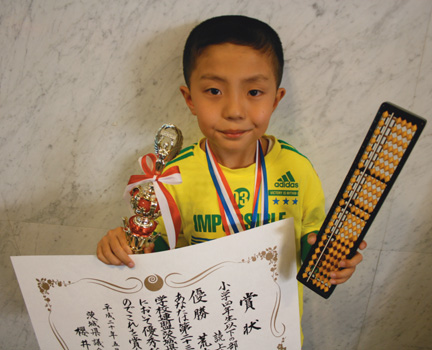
[237,292]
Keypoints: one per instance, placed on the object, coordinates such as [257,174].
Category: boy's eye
[255,93]
[214,91]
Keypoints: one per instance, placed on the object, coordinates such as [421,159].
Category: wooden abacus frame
[384,151]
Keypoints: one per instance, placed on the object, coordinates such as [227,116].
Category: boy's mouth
[233,133]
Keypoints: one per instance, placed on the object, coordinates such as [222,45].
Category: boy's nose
[234,108]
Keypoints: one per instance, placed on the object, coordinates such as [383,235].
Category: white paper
[237,292]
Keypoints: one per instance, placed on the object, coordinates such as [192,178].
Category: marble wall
[84,85]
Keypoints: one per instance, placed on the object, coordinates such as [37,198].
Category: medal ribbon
[231,217]
[260,189]
[168,206]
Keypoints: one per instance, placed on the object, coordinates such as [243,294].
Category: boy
[233,69]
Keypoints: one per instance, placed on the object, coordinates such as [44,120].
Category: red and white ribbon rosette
[168,206]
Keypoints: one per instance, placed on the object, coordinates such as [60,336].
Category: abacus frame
[307,276]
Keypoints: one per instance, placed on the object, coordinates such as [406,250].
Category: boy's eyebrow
[211,77]
[254,78]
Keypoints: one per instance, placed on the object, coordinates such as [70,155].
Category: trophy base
[138,241]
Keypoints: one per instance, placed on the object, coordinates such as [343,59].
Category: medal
[231,217]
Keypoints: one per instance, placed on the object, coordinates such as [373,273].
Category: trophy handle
[168,143]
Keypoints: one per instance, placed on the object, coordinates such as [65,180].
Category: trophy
[140,228]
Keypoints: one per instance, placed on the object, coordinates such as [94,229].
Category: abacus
[384,151]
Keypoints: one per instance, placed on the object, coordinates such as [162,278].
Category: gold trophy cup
[140,228]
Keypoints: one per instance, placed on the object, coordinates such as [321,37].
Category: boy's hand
[348,266]
[113,249]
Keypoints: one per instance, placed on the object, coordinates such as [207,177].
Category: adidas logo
[286,177]
[286,180]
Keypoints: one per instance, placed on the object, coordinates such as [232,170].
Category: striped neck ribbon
[232,219]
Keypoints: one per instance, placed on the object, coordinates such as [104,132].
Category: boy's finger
[100,254]
[123,241]
[120,254]
[312,238]
[105,254]
[353,262]
[348,268]
[120,247]
[341,276]
[363,245]
[149,248]
[113,248]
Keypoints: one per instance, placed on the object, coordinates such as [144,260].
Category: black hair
[238,30]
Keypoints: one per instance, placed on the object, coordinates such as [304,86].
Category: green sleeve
[305,246]
[160,245]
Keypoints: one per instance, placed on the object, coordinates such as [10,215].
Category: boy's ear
[188,98]
[279,96]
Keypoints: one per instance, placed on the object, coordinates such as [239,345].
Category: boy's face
[233,93]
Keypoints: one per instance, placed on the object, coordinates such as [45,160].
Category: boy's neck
[237,160]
